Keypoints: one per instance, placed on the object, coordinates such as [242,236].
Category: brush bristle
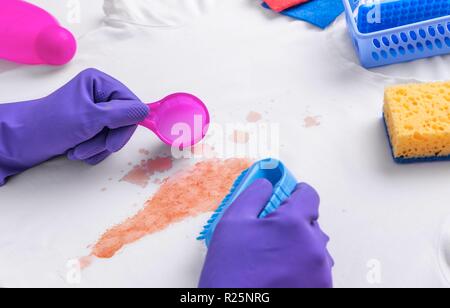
[222,207]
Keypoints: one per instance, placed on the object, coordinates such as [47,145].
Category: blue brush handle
[283,181]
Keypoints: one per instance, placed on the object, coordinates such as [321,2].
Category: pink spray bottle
[30,35]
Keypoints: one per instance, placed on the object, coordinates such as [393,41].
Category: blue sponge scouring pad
[320,13]
[396,13]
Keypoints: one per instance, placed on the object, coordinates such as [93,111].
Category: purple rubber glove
[89,118]
[287,249]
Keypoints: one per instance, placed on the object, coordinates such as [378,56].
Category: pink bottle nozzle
[179,120]
[31,35]
[56,45]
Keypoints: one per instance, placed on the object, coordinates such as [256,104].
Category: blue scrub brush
[284,183]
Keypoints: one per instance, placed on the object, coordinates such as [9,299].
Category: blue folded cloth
[320,13]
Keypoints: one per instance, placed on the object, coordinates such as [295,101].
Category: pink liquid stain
[189,193]
[254,117]
[312,121]
[85,262]
[240,137]
[144,152]
[141,174]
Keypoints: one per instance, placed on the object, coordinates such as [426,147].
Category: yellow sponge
[417,118]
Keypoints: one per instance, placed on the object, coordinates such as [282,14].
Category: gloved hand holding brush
[89,118]
[285,249]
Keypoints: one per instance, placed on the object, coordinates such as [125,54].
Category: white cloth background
[238,57]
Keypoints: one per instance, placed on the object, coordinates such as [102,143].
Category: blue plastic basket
[396,13]
[405,43]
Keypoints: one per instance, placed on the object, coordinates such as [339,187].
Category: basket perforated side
[401,44]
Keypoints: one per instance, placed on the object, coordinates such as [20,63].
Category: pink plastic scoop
[179,120]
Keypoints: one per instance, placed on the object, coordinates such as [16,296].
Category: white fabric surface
[238,58]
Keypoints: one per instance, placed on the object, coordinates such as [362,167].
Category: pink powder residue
[254,117]
[85,262]
[141,174]
[312,121]
[197,190]
[240,137]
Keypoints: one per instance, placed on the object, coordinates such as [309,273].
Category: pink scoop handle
[180,119]
[150,121]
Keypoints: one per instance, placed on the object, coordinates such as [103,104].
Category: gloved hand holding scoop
[88,119]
